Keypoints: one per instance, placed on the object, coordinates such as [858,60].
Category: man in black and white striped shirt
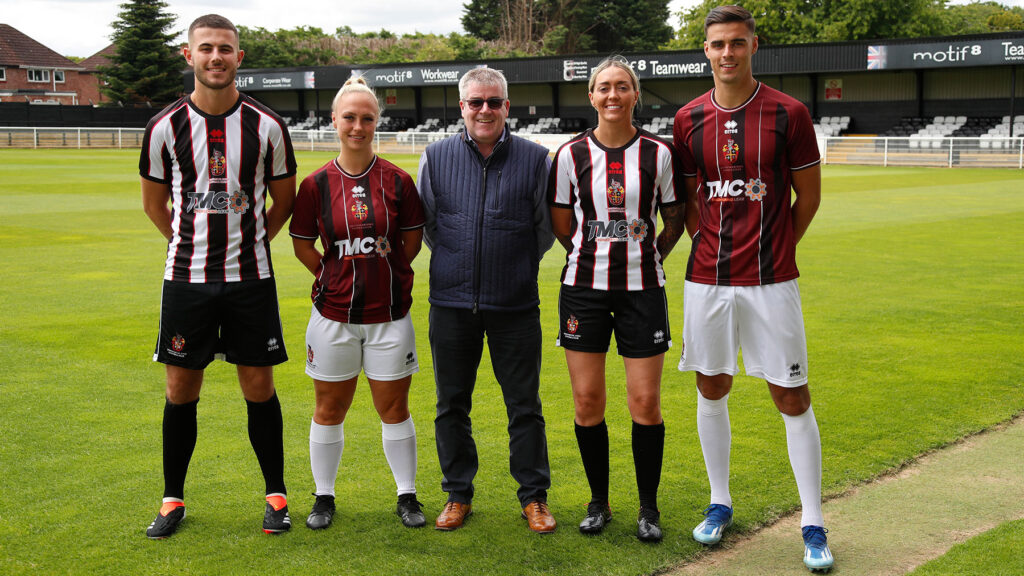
[208,163]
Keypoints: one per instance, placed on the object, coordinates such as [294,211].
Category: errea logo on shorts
[734,190]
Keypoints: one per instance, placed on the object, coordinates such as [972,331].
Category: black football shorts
[237,322]
[639,319]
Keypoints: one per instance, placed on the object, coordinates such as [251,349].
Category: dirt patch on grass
[899,520]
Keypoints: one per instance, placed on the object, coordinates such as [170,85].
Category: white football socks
[804,445]
[326,444]
[715,441]
[399,442]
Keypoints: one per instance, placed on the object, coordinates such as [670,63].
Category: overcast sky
[82,27]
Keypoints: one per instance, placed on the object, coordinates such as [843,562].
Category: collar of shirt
[501,139]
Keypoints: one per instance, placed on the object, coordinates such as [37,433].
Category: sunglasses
[478,103]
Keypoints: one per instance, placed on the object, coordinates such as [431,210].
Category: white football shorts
[337,351]
[766,322]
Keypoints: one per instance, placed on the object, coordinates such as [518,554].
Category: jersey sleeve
[410,212]
[155,160]
[801,142]
[280,160]
[560,185]
[686,163]
[670,188]
[304,222]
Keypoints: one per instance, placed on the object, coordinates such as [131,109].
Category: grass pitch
[994,552]
[912,299]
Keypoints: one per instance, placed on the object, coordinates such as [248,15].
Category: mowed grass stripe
[912,336]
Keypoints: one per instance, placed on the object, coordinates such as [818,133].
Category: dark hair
[212,21]
[730,13]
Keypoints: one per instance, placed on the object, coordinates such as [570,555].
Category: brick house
[90,92]
[33,73]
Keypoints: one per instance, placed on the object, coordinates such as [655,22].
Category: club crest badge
[359,210]
[572,324]
[755,189]
[178,343]
[731,150]
[616,193]
[309,353]
[218,164]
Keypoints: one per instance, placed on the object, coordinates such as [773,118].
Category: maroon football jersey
[743,159]
[364,276]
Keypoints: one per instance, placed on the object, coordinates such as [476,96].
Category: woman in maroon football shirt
[367,215]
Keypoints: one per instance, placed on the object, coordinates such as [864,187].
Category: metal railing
[940,151]
[986,151]
[29,137]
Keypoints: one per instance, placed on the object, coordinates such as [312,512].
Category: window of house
[3,74]
[58,75]
[36,75]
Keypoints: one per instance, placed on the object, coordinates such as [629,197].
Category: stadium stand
[832,125]
[661,126]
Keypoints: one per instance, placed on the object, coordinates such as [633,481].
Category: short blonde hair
[354,85]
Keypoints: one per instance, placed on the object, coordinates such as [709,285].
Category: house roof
[17,49]
[101,58]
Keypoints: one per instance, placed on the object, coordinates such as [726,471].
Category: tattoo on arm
[673,218]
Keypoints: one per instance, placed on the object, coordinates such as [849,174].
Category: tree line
[147,66]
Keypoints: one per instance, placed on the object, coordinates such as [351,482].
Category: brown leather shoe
[539,517]
[453,516]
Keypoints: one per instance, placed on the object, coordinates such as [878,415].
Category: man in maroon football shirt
[743,147]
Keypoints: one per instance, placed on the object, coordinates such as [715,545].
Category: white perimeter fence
[1002,152]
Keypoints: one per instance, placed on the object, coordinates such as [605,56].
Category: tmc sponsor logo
[217,202]
[731,190]
[362,247]
[616,230]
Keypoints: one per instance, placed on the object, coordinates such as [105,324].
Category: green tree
[803,21]
[570,26]
[300,46]
[482,18]
[146,68]
[982,18]
[640,25]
